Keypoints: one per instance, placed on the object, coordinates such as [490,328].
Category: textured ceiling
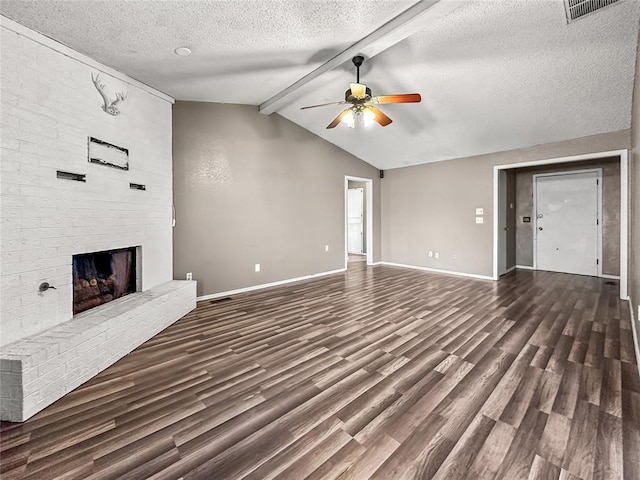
[494,75]
[243,51]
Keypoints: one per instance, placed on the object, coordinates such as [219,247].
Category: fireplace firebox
[101,277]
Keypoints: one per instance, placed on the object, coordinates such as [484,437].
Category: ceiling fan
[362,107]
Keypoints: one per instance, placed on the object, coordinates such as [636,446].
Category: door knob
[539,228]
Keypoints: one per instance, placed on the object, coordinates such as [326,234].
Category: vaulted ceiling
[493,74]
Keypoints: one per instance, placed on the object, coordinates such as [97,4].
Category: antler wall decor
[109,106]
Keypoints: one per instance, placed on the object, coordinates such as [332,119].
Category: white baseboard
[436,270]
[609,277]
[267,285]
[634,330]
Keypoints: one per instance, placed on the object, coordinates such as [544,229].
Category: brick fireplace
[57,207]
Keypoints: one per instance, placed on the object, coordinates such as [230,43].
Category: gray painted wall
[634,194]
[251,188]
[363,185]
[610,210]
[432,206]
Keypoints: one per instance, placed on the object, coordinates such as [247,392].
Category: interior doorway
[615,206]
[355,220]
[506,222]
[502,222]
[567,225]
[358,208]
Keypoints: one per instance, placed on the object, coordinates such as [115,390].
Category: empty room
[320,239]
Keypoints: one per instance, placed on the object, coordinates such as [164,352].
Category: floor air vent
[579,8]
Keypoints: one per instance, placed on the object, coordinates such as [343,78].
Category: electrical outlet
[326,248]
[437,255]
[430,254]
[189,276]
[479,220]
[257,267]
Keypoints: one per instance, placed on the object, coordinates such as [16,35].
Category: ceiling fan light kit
[362,110]
[358,116]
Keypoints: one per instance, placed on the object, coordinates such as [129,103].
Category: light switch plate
[479,220]
[480,211]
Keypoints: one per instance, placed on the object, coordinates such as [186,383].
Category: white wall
[49,107]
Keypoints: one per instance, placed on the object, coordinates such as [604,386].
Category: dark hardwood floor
[381,372]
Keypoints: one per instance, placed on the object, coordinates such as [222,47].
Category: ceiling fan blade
[398,98]
[324,105]
[380,117]
[339,118]
[358,90]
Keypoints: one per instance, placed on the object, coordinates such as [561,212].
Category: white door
[355,197]
[567,226]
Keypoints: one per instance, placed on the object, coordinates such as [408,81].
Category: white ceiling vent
[579,8]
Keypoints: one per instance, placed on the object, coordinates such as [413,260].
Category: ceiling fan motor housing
[349,97]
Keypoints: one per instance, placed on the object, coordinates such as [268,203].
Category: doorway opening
[358,207]
[355,220]
[566,184]
[506,217]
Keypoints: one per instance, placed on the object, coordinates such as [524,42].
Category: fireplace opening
[101,277]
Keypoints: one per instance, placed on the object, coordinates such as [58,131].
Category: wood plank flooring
[379,373]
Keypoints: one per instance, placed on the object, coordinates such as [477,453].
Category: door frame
[368,198]
[623,155]
[599,201]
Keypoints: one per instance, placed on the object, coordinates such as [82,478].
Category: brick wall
[48,109]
